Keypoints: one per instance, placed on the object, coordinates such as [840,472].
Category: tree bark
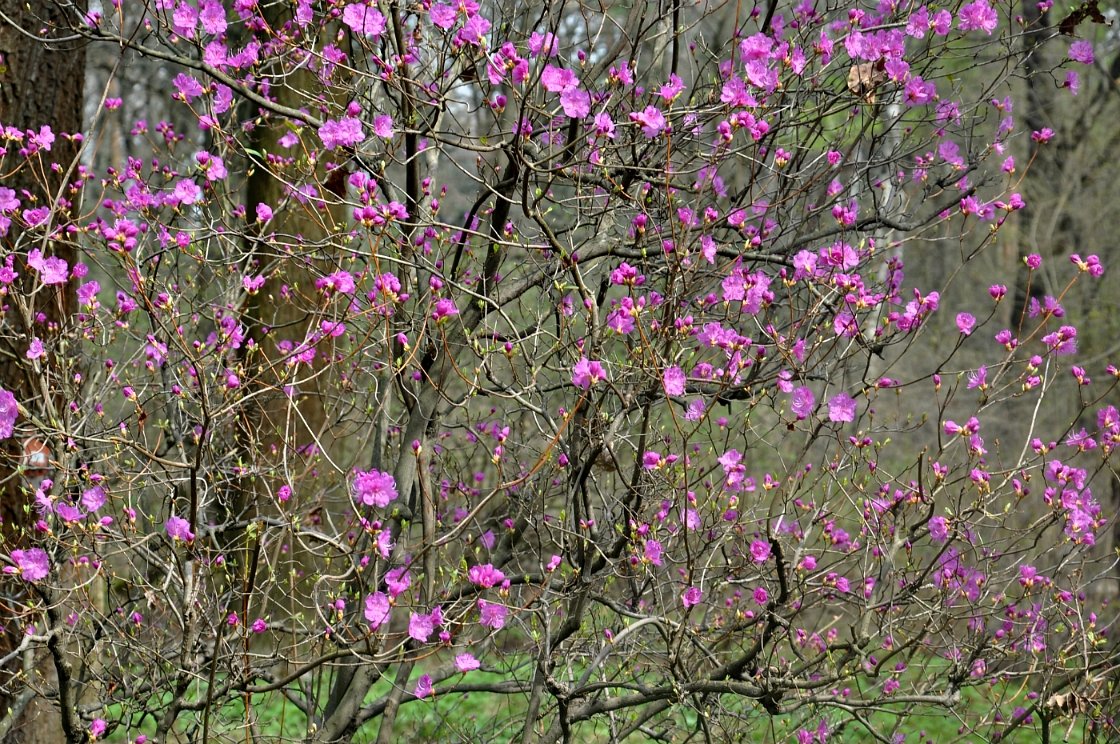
[41,84]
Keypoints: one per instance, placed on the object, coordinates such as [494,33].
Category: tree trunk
[41,84]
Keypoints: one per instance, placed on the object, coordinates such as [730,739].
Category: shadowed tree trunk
[41,84]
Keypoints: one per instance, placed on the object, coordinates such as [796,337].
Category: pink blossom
[213,17]
[473,32]
[842,408]
[383,126]
[491,614]
[604,126]
[397,581]
[423,686]
[978,16]
[345,132]
[374,488]
[1081,51]
[186,87]
[965,323]
[442,16]
[674,380]
[672,89]
[9,412]
[760,551]
[185,19]
[651,120]
[364,20]
[802,402]
[187,191]
[32,564]
[586,373]
[420,627]
[52,270]
[35,348]
[691,597]
[1042,136]
[87,294]
[8,201]
[485,576]
[465,662]
[576,103]
[179,529]
[444,309]
[93,498]
[377,609]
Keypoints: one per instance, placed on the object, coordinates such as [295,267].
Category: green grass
[484,718]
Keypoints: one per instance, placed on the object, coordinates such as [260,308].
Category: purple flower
[761,596]
[965,323]
[93,498]
[420,627]
[444,309]
[674,381]
[186,191]
[179,529]
[604,126]
[187,87]
[51,270]
[842,408]
[978,16]
[383,126]
[213,17]
[802,402]
[397,581]
[87,294]
[939,529]
[760,551]
[473,31]
[424,687]
[1081,51]
[492,615]
[259,625]
[377,609]
[653,552]
[9,411]
[651,120]
[8,200]
[68,512]
[485,576]
[374,488]
[363,20]
[443,16]
[32,564]
[344,132]
[466,663]
[97,728]
[691,597]
[35,348]
[576,103]
[586,373]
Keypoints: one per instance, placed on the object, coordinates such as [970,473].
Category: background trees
[556,371]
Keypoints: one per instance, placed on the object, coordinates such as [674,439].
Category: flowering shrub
[574,365]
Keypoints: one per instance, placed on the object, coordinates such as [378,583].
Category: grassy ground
[484,718]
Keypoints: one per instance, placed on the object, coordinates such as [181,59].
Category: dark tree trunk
[41,83]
